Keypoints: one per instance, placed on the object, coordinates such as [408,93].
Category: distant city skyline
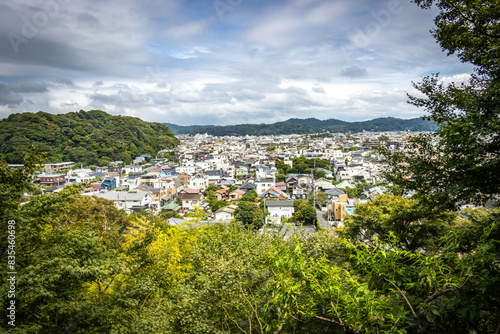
[219,62]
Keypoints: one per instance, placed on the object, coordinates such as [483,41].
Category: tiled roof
[279,203]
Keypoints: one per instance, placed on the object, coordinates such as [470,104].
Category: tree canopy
[459,163]
[92,138]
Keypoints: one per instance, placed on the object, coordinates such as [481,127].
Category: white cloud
[456,79]
[176,61]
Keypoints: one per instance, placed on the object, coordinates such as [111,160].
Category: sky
[219,62]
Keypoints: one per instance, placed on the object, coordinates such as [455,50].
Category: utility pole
[314,187]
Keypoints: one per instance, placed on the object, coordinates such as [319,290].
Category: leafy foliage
[305,212]
[249,214]
[413,224]
[252,196]
[92,137]
[459,163]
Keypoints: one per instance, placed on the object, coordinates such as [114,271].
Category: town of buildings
[237,165]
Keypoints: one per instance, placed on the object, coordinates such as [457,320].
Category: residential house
[157,194]
[127,200]
[221,195]
[157,161]
[225,214]
[242,171]
[248,187]
[335,193]
[323,183]
[265,172]
[184,178]
[51,180]
[101,169]
[291,183]
[226,182]
[236,195]
[132,169]
[139,160]
[53,168]
[345,184]
[115,169]
[190,170]
[339,201]
[191,198]
[275,193]
[281,185]
[79,175]
[374,191]
[171,207]
[153,169]
[199,181]
[278,210]
[214,176]
[264,184]
[132,180]
[169,186]
[294,180]
[109,183]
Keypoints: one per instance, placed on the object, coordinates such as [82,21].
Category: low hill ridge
[308,126]
[90,137]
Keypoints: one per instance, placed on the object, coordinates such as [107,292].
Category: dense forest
[89,137]
[307,126]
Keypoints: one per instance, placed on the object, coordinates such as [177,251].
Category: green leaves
[92,137]
[413,224]
[312,289]
[457,164]
[305,213]
[249,214]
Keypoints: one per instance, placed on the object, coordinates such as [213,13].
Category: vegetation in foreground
[85,267]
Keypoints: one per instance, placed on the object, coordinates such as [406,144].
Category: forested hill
[309,125]
[89,137]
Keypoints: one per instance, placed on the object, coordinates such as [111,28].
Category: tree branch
[278,330]
[406,299]
[330,320]
[439,293]
[144,302]
[231,318]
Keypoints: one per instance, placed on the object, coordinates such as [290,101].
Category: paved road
[325,225]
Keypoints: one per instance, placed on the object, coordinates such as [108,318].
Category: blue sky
[218,62]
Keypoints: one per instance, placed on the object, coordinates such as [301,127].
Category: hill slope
[311,125]
[92,137]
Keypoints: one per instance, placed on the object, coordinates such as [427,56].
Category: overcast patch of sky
[218,62]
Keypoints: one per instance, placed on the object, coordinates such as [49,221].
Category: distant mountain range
[307,126]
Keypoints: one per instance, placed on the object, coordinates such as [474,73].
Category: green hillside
[184,129]
[89,137]
[308,126]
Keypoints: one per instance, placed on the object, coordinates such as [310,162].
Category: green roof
[345,184]
[171,206]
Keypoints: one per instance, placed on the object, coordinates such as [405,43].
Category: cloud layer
[220,62]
